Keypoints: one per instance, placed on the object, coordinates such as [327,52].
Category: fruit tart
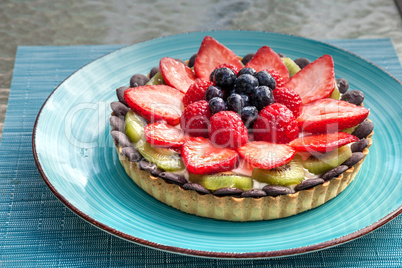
[256,137]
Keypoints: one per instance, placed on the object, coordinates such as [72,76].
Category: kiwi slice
[291,65]
[134,126]
[335,94]
[157,79]
[288,174]
[327,161]
[164,158]
[223,180]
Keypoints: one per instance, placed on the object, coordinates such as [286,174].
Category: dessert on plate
[241,137]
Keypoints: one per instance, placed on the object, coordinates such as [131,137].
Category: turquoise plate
[76,156]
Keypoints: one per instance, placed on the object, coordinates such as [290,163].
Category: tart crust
[244,208]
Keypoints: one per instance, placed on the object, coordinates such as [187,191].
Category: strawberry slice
[315,81]
[163,135]
[322,143]
[330,115]
[201,157]
[176,74]
[265,58]
[266,155]
[212,54]
[156,102]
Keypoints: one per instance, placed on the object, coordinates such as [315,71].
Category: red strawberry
[195,119]
[230,66]
[266,155]
[156,102]
[322,143]
[196,91]
[212,54]
[278,79]
[201,157]
[315,81]
[275,123]
[176,74]
[330,115]
[227,129]
[265,58]
[163,135]
[289,98]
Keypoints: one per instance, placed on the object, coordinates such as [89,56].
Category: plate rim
[203,253]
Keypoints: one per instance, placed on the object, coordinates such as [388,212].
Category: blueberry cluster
[245,93]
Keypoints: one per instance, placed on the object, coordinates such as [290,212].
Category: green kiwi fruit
[291,65]
[335,94]
[134,126]
[223,180]
[157,79]
[323,163]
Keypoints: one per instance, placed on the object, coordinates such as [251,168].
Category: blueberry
[212,92]
[138,80]
[217,105]
[246,70]
[235,103]
[266,79]
[262,97]
[353,96]
[245,84]
[249,114]
[343,85]
[302,62]
[192,60]
[246,99]
[211,76]
[224,77]
[247,58]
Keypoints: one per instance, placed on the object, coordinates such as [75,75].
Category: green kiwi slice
[164,158]
[335,94]
[134,126]
[327,161]
[223,180]
[288,174]
[157,79]
[291,65]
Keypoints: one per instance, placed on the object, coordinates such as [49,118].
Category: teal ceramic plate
[77,159]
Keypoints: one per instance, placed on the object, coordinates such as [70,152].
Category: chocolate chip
[353,96]
[247,58]
[150,167]
[354,159]
[173,178]
[121,138]
[228,191]
[364,129]
[335,172]
[154,71]
[343,85]
[359,146]
[120,94]
[309,183]
[196,187]
[117,123]
[132,154]
[302,62]
[192,60]
[254,193]
[275,190]
[138,80]
[119,108]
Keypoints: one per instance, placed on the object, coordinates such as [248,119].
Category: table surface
[36,229]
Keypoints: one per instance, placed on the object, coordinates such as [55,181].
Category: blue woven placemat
[37,230]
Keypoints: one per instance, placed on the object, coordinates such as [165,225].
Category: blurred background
[80,22]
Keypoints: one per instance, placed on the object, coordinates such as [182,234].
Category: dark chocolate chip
[359,146]
[353,96]
[196,187]
[343,85]
[120,94]
[275,190]
[335,172]
[121,138]
[119,109]
[247,58]
[281,55]
[154,71]
[138,80]
[228,191]
[254,193]
[150,167]
[132,154]
[173,178]
[364,129]
[309,183]
[354,159]
[302,62]
[117,123]
[192,60]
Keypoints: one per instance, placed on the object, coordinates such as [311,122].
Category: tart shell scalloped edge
[239,208]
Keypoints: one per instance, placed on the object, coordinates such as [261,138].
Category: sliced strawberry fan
[176,74]
[164,135]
